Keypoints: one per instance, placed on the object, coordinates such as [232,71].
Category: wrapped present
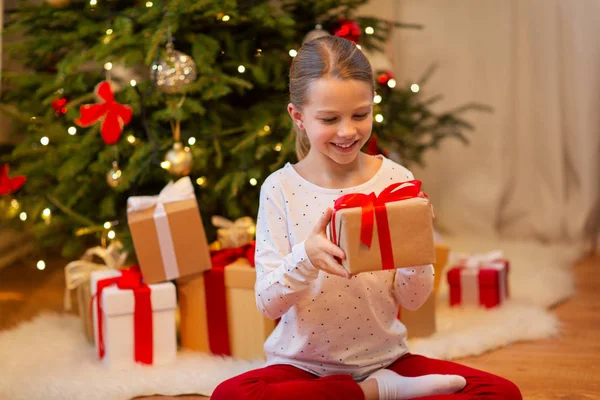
[421,322]
[232,234]
[479,280]
[168,234]
[77,277]
[442,252]
[392,230]
[133,322]
[218,308]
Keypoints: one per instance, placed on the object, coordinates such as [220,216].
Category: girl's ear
[296,115]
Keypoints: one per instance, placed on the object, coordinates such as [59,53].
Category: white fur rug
[48,358]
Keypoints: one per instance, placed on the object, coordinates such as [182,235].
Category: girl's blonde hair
[327,56]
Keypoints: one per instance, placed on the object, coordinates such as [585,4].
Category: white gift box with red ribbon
[479,280]
[133,325]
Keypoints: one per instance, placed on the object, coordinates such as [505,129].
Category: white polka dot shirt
[329,325]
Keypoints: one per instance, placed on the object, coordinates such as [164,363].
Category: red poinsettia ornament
[384,77]
[114,115]
[9,185]
[59,106]
[348,29]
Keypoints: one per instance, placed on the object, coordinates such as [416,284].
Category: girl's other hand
[322,252]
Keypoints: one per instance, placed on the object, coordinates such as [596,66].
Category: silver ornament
[315,34]
[175,72]
[113,177]
[179,160]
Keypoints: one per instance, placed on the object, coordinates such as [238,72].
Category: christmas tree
[119,97]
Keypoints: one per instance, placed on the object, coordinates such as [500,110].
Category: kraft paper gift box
[135,324]
[421,322]
[219,314]
[233,234]
[77,277]
[479,280]
[168,234]
[392,230]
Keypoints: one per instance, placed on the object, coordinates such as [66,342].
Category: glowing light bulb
[107,225]
[46,213]
[241,69]
[93,2]
[253,181]
[377,99]
[201,181]
[392,83]
[267,128]
[277,147]
[293,53]
[369,30]
[149,4]
[108,66]
[109,31]
[379,118]
[23,216]
[165,165]
[44,141]
[15,204]
[132,82]
[72,130]
[131,139]
[225,18]
[111,234]
[41,265]
[192,141]
[414,88]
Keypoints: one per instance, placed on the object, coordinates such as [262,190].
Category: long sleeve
[282,273]
[413,285]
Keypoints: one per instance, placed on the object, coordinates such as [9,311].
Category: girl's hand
[321,251]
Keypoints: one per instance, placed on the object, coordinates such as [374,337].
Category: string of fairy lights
[108,232]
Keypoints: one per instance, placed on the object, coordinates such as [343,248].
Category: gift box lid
[240,274]
[487,276]
[116,301]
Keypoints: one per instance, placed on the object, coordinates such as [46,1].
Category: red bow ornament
[114,115]
[9,185]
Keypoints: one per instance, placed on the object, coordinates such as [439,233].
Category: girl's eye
[361,116]
[328,120]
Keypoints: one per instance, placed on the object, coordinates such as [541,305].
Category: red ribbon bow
[374,207]
[221,258]
[115,115]
[131,278]
[9,185]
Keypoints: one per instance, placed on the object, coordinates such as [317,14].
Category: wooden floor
[565,368]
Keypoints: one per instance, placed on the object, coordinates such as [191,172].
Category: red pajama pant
[287,382]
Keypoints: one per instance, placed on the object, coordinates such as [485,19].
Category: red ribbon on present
[216,300]
[374,207]
[115,116]
[131,278]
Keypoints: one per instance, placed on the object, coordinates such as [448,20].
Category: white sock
[397,387]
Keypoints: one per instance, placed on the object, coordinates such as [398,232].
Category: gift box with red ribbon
[479,280]
[391,230]
[218,312]
[133,322]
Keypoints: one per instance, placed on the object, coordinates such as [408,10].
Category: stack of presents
[185,293]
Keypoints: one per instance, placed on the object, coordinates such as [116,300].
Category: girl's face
[338,117]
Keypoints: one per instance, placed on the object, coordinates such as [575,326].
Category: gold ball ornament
[113,177]
[179,160]
[59,3]
[174,72]
[315,34]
